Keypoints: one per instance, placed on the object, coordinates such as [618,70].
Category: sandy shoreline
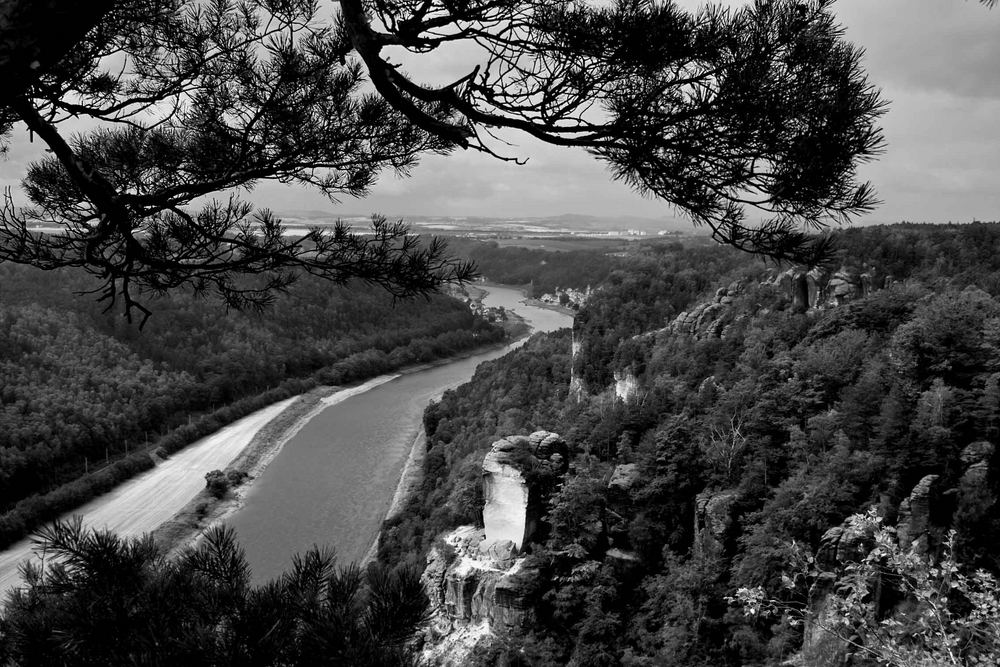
[204,511]
[185,527]
[410,479]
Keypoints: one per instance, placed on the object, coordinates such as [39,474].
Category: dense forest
[541,270]
[746,447]
[751,438]
[86,396]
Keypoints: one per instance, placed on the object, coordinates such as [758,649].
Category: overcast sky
[937,61]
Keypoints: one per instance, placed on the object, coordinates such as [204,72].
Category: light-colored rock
[506,491]
[626,385]
[577,389]
[499,553]
[621,555]
[624,476]
[476,594]
[511,508]
[477,584]
[448,646]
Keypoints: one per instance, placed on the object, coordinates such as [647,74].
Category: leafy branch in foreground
[944,615]
[100,599]
[204,98]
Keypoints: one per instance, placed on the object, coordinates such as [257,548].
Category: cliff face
[712,520]
[479,584]
[626,385]
[576,386]
[712,318]
[818,288]
[806,290]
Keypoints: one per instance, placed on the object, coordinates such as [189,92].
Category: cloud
[940,46]
[936,61]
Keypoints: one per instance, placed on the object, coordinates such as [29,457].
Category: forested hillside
[744,445]
[80,388]
[544,270]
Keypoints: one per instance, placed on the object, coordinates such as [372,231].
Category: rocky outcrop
[805,289]
[712,518]
[472,584]
[976,458]
[851,542]
[476,592]
[816,288]
[843,544]
[512,507]
[626,385]
[914,525]
[478,582]
[710,319]
[577,390]
[623,477]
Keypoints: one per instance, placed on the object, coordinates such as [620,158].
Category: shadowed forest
[746,448]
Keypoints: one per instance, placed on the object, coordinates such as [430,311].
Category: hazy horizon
[934,60]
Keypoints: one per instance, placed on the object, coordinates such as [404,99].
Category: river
[332,483]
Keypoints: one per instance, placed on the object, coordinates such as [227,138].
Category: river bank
[411,476]
[477,291]
[204,510]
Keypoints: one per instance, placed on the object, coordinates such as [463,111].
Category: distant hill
[566,223]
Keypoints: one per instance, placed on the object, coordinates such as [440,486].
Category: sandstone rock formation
[465,584]
[708,320]
[914,525]
[712,518]
[817,288]
[475,593]
[976,457]
[623,477]
[626,385]
[478,583]
[511,510]
[843,544]
[576,386]
[850,542]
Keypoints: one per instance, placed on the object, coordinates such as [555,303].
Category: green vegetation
[544,270]
[185,104]
[103,600]
[952,616]
[748,448]
[82,389]
[745,446]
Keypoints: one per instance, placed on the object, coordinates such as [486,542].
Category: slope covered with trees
[81,389]
[747,449]
[543,270]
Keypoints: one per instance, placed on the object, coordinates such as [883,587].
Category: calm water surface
[332,483]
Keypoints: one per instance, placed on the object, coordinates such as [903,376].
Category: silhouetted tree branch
[729,115]
[751,121]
